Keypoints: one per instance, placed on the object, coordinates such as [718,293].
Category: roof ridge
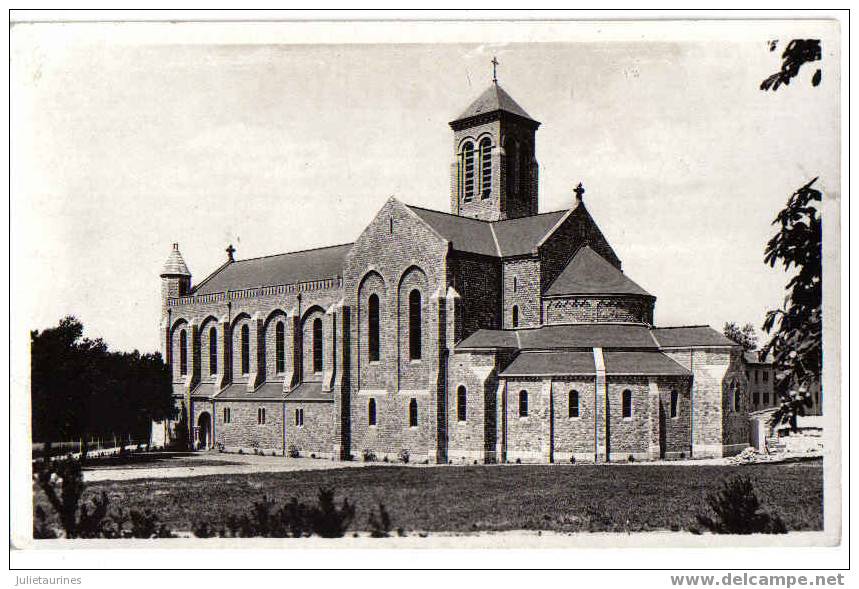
[495,239]
[682,326]
[481,220]
[312,249]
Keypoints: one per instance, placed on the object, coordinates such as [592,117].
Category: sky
[122,146]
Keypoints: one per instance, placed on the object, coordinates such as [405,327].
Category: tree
[796,327]
[745,335]
[80,389]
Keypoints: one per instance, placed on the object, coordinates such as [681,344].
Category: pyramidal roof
[494,99]
[590,273]
[175,264]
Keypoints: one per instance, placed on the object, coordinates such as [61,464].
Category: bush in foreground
[737,510]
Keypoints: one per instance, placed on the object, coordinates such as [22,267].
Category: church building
[489,333]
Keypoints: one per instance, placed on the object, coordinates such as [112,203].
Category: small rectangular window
[766,398]
[261,416]
[766,376]
[299,417]
[756,398]
[227,415]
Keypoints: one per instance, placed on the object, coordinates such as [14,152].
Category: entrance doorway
[204,429]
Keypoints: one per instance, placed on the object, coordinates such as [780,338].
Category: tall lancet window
[280,359]
[468,171]
[485,167]
[213,351]
[183,352]
[246,349]
[317,345]
[373,327]
[415,325]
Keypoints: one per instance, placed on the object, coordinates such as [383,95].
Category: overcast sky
[120,149]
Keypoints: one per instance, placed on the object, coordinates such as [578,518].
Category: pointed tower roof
[175,264]
[493,100]
[590,273]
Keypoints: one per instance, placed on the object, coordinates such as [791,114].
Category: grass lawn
[565,498]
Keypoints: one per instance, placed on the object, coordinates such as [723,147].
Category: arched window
[515,316]
[246,351]
[413,413]
[626,403]
[485,167]
[371,412]
[261,416]
[461,403]
[183,352]
[213,351]
[317,345]
[373,327]
[523,403]
[515,284]
[468,171]
[415,325]
[737,394]
[675,399]
[574,403]
[279,353]
[227,415]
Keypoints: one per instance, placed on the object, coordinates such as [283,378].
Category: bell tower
[494,172]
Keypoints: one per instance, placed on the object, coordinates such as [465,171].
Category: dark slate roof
[520,236]
[489,338]
[644,363]
[690,336]
[590,273]
[493,99]
[289,268]
[270,391]
[551,363]
[514,237]
[309,391]
[553,337]
[466,234]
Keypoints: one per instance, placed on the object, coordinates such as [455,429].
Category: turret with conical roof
[494,173]
[175,277]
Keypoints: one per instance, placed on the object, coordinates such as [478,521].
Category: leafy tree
[797,53]
[736,509]
[796,327]
[79,388]
[745,335]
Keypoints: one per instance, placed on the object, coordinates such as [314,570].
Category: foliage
[404,455]
[797,53]
[368,455]
[146,524]
[294,452]
[62,483]
[380,527]
[293,520]
[80,388]
[737,510]
[745,335]
[797,327]
[41,529]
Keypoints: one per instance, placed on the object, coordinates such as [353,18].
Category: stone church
[489,333]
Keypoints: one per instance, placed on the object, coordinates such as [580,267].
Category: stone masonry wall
[316,435]
[244,431]
[478,281]
[596,309]
[522,289]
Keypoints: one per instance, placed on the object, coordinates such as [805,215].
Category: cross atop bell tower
[494,172]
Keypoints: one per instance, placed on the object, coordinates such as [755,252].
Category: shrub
[329,521]
[204,530]
[240,451]
[737,510]
[385,458]
[368,455]
[41,529]
[631,458]
[380,527]
[404,456]
[313,455]
[62,482]
[518,461]
[145,524]
[572,459]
